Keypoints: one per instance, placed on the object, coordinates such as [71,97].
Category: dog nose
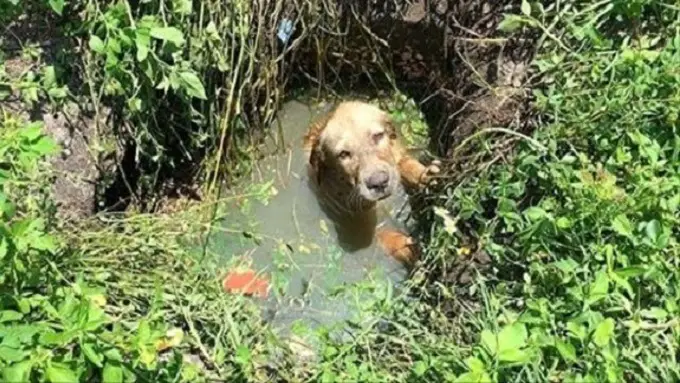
[378,180]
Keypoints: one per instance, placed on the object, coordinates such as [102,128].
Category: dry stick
[224,125]
[475,71]
[499,130]
[197,339]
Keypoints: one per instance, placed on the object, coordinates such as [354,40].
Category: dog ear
[316,160]
[312,140]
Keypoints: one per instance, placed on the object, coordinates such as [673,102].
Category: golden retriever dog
[356,161]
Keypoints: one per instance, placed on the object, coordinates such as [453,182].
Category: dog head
[351,154]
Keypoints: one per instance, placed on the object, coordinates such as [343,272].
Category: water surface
[278,228]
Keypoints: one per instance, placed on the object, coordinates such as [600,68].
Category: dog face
[352,154]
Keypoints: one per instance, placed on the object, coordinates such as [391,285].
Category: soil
[76,167]
[446,54]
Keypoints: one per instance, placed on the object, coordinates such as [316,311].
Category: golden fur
[356,160]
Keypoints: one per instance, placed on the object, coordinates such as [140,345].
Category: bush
[581,223]
[580,220]
[119,302]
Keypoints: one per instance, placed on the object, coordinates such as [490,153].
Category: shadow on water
[276,227]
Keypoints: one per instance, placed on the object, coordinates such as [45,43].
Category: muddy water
[277,228]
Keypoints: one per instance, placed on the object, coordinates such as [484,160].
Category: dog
[355,160]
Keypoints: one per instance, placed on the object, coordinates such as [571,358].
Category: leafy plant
[582,229]
[52,328]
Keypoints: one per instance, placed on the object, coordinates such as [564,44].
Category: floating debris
[247,283]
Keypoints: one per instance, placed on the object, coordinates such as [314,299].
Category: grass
[580,221]
[582,230]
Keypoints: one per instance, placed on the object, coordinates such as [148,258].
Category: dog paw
[431,170]
[398,245]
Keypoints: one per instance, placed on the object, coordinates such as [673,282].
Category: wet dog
[356,161]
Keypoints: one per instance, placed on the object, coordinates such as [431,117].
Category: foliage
[406,115]
[195,83]
[86,303]
[582,227]
[581,222]
[52,328]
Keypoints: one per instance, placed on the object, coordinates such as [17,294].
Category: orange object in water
[246,283]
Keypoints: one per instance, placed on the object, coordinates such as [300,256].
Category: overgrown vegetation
[110,303]
[580,220]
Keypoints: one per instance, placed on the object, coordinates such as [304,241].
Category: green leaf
[92,355]
[510,23]
[193,85]
[24,304]
[513,355]
[25,333]
[474,364]
[9,354]
[242,355]
[96,44]
[56,338]
[535,213]
[142,42]
[147,355]
[631,272]
[511,341]
[653,229]
[60,373]
[603,332]
[622,225]
[508,344]
[654,313]
[112,373]
[44,243]
[419,368]
[113,355]
[32,130]
[182,7]
[143,331]
[57,6]
[18,372]
[473,377]
[512,336]
[490,341]
[599,288]
[49,77]
[526,7]
[563,223]
[113,46]
[623,283]
[170,34]
[57,93]
[567,266]
[10,316]
[566,350]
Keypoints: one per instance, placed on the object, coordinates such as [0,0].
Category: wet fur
[338,191]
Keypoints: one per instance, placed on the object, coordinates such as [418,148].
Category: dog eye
[344,154]
[378,136]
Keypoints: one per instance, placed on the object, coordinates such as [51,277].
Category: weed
[581,231]
[53,328]
[106,303]
[580,221]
